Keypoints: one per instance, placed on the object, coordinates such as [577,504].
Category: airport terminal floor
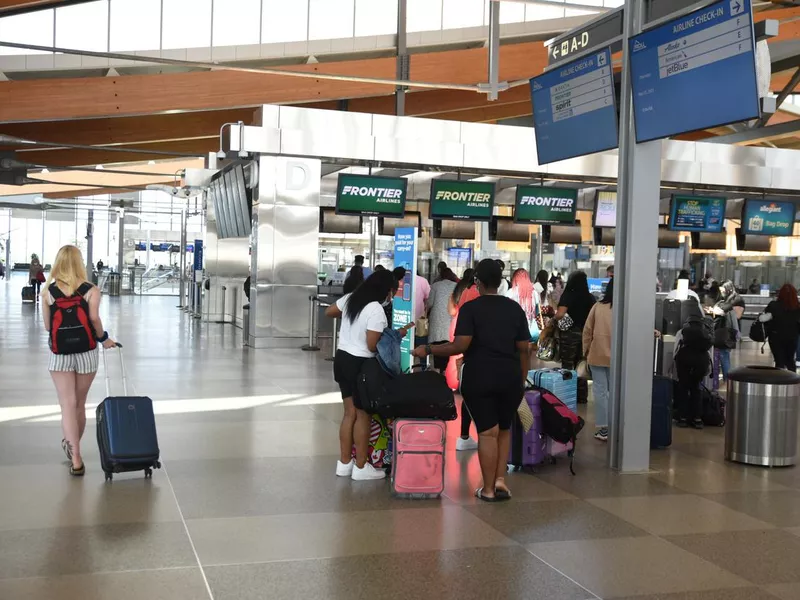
[247,505]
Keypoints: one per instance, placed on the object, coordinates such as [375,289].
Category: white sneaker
[466,444]
[367,473]
[344,470]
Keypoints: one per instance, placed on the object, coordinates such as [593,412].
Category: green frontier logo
[473,199]
[555,204]
[545,206]
[381,194]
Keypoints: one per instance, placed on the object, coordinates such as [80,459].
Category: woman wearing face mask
[363,321]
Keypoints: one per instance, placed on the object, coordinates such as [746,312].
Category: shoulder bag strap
[55,291]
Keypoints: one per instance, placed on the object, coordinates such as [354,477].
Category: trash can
[245,324]
[114,283]
[762,412]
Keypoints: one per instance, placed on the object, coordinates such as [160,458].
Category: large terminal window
[283,21]
[186,24]
[330,19]
[237,23]
[133,25]
[376,17]
[83,26]
[30,28]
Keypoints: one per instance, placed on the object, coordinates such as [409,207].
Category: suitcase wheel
[109,476]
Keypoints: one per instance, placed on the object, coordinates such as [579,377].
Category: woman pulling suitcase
[493,335]
[71,313]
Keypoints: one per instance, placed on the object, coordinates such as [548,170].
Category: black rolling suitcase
[661,411]
[126,430]
[28,294]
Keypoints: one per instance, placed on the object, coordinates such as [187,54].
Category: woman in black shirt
[783,318]
[493,335]
[575,302]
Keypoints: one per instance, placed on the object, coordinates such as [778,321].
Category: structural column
[636,258]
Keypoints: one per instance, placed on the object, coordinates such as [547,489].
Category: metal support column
[44,220]
[494,49]
[403,60]
[8,248]
[636,252]
[182,284]
[89,241]
[373,241]
[121,242]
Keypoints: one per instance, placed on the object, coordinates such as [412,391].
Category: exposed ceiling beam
[18,7]
[151,94]
[760,135]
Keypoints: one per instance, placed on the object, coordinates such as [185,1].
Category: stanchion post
[334,339]
[224,293]
[312,326]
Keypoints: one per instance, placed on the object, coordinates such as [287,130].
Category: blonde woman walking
[71,313]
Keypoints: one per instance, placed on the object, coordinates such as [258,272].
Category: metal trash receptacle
[245,324]
[114,284]
[763,407]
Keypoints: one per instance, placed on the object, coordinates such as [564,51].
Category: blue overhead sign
[574,112]
[768,217]
[695,72]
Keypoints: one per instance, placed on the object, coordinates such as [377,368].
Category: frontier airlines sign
[470,200]
[368,195]
[545,206]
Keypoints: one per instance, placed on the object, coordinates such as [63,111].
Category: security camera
[243,154]
[221,155]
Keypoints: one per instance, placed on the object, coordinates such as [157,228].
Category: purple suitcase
[528,449]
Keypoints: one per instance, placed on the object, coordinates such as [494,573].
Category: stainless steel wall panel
[419,151]
[296,181]
[267,115]
[680,171]
[261,308]
[296,245]
[263,256]
[678,151]
[786,179]
[499,147]
[326,133]
[603,164]
[735,175]
[779,158]
[732,155]
[290,311]
[254,139]
[432,130]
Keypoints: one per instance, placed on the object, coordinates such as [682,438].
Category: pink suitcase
[418,465]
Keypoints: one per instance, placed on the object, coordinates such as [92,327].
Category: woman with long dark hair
[363,322]
[354,279]
[597,345]
[783,316]
[573,308]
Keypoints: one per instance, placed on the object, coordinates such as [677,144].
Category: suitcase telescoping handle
[122,366]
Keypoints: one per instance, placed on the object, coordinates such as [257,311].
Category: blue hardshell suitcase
[126,431]
[563,383]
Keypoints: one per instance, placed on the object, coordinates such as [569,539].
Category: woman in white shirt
[363,321]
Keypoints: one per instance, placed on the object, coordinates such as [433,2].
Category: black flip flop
[479,495]
[79,472]
[501,494]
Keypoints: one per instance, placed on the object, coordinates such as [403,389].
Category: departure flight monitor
[702,214]
[370,195]
[463,200]
[768,217]
[545,206]
[574,112]
[605,213]
[695,72]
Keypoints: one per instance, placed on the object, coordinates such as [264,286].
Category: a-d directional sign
[695,72]
[574,112]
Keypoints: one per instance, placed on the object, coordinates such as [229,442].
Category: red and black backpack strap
[55,292]
[84,288]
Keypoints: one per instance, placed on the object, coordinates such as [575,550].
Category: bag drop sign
[768,217]
[470,200]
[545,206]
[368,195]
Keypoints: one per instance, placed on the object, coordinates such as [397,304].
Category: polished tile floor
[247,506]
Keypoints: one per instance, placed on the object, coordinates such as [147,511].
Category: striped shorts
[83,363]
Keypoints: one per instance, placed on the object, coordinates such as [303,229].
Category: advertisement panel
[469,200]
[605,213]
[545,206]
[768,217]
[371,195]
[700,214]
[405,255]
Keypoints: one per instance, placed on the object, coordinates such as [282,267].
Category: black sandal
[79,472]
[479,495]
[67,448]
[502,493]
